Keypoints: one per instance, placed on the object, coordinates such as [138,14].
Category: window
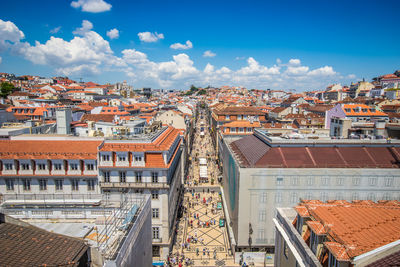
[339,196]
[41,166]
[261,233]
[285,249]
[138,177]
[106,157]
[227,117]
[239,117]
[371,196]
[57,166]
[25,166]
[154,195]
[59,184]
[156,233]
[372,181]
[310,181]
[278,197]
[339,181]
[138,158]
[388,182]
[356,181]
[262,214]
[121,158]
[233,129]
[154,177]
[249,129]
[355,196]
[90,167]
[122,177]
[324,196]
[263,197]
[308,196]
[8,166]
[10,184]
[241,129]
[106,176]
[294,198]
[74,184]
[91,183]
[74,166]
[295,180]
[156,251]
[325,180]
[279,180]
[26,183]
[42,184]
[386,196]
[155,213]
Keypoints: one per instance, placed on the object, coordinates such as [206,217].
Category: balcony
[135,185]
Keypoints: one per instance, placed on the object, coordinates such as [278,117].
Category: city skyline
[286,45]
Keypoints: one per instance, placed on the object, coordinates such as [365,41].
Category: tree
[6,89]
[202,92]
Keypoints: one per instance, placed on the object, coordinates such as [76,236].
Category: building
[262,172]
[148,163]
[105,231]
[25,245]
[338,233]
[151,164]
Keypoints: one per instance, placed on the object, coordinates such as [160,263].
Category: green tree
[6,89]
[202,92]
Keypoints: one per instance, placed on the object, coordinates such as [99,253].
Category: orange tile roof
[242,123]
[354,107]
[357,227]
[154,160]
[34,149]
[162,143]
[337,250]
[316,227]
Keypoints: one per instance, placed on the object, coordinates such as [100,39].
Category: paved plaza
[201,240]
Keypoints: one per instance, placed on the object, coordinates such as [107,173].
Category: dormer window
[227,117]
[138,158]
[365,110]
[347,109]
[121,158]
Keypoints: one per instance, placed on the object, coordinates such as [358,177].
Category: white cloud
[9,34]
[149,37]
[55,30]
[83,55]
[208,53]
[294,62]
[88,53]
[300,70]
[0,60]
[113,34]
[323,71]
[93,6]
[278,61]
[185,46]
[86,26]
[351,76]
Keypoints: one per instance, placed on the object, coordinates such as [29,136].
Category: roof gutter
[373,253]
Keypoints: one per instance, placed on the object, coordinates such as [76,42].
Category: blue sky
[304,45]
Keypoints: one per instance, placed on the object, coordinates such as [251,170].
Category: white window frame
[155,213]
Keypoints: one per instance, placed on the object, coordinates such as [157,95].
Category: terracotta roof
[361,110]
[98,117]
[356,228]
[313,157]
[239,111]
[154,160]
[162,143]
[31,246]
[242,123]
[34,149]
[316,227]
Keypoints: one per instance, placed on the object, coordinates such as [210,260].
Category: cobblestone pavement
[199,236]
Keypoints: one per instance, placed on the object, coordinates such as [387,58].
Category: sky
[301,45]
